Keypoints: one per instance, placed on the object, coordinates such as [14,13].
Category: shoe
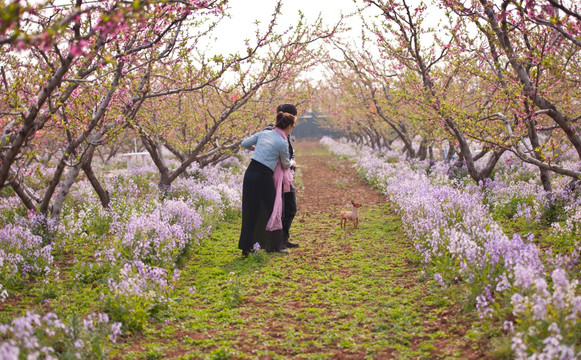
[289,245]
[282,251]
[245,253]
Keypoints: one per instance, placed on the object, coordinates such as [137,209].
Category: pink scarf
[283,179]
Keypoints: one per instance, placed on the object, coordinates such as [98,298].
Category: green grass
[355,292]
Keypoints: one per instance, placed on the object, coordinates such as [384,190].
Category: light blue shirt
[270,148]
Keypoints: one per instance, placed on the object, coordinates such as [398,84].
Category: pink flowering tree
[205,124]
[529,59]
[72,92]
[378,89]
[416,87]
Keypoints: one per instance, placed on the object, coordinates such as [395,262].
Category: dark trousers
[289,212]
[258,195]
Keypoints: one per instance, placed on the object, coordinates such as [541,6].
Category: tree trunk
[60,198]
[88,170]
[21,192]
[487,171]
[423,150]
[535,143]
[451,152]
[56,178]
[153,148]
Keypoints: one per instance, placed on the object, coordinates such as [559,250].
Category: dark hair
[284,119]
[287,108]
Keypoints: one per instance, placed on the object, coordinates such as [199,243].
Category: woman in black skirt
[258,190]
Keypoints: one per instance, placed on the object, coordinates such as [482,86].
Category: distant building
[308,127]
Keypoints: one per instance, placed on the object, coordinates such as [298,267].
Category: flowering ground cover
[119,288]
[524,282]
[71,288]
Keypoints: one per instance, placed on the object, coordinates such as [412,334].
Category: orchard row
[526,283]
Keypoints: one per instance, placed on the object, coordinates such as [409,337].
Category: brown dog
[350,216]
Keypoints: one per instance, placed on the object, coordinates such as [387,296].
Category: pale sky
[232,32]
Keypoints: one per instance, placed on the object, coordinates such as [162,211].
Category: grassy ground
[351,294]
[354,294]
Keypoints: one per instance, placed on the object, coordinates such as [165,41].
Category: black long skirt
[258,194]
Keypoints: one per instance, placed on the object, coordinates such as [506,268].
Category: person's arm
[291,154]
[285,162]
[249,142]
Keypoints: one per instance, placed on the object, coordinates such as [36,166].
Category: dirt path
[328,184]
[354,294]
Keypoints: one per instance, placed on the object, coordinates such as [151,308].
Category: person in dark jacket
[290,199]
